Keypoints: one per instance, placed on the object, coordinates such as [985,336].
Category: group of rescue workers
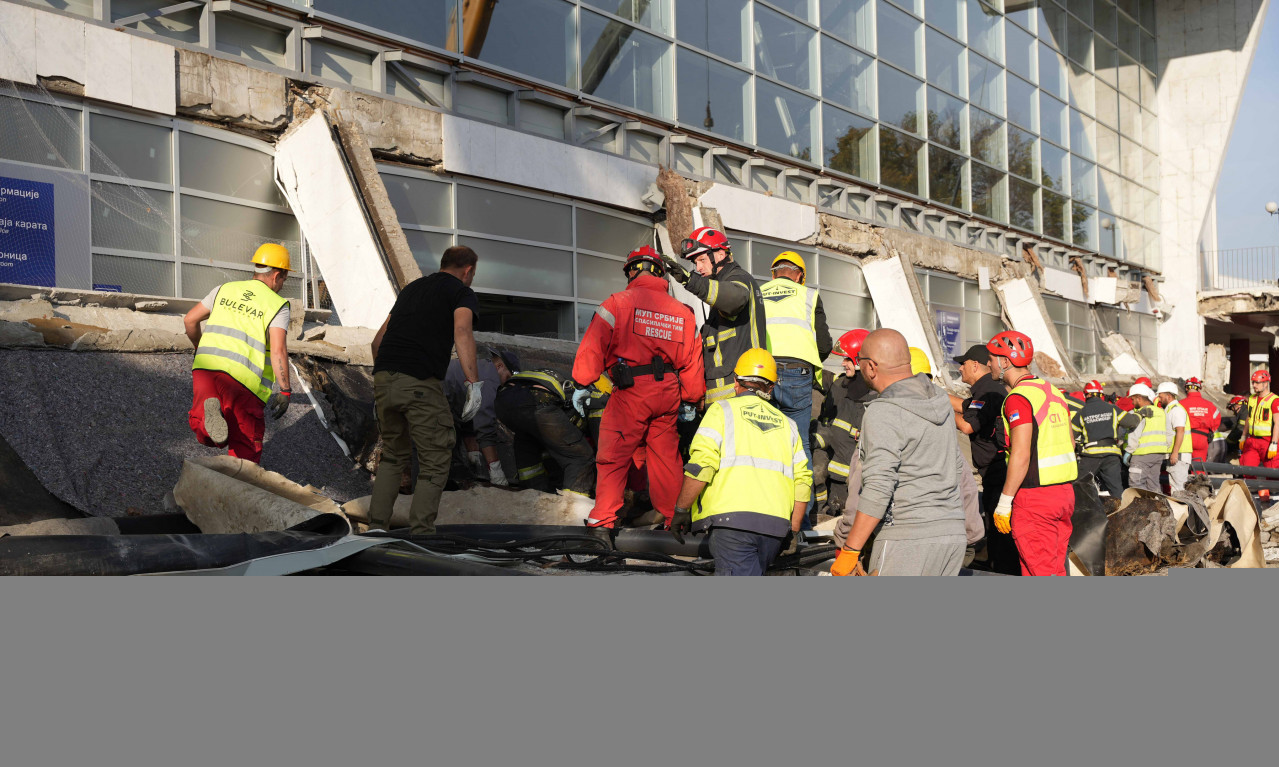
[733,428]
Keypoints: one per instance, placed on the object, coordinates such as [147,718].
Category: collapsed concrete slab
[1026,312]
[488,506]
[222,494]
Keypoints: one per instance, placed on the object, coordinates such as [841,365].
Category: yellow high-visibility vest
[752,457]
[1186,447]
[1154,434]
[235,339]
[1053,458]
[1260,423]
[539,378]
[790,316]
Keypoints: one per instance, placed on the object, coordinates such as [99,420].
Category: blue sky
[1250,174]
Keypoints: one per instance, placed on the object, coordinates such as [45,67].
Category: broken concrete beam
[229,92]
[18,334]
[488,506]
[222,494]
[150,306]
[142,340]
[404,132]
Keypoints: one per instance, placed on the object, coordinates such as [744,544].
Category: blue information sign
[948,332]
[27,248]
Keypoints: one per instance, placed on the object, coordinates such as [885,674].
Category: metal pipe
[1253,484]
[1238,471]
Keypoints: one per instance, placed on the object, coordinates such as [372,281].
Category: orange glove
[845,562]
[1270,452]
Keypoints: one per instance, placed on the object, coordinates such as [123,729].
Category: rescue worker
[1178,431]
[1096,425]
[534,405]
[978,416]
[798,339]
[1038,498]
[1233,427]
[842,422]
[735,318]
[1148,441]
[411,354]
[747,481]
[239,355]
[1259,444]
[1205,419]
[647,341]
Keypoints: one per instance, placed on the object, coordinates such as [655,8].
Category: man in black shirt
[978,416]
[411,355]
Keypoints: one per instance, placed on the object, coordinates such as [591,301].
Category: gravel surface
[108,432]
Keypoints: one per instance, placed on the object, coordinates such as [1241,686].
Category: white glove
[579,401]
[496,475]
[475,459]
[473,399]
[1004,513]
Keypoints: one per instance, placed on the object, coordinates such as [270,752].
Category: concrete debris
[89,526]
[151,306]
[19,334]
[229,92]
[222,494]
[488,505]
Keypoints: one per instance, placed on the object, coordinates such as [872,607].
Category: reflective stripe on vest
[1054,446]
[538,378]
[790,312]
[234,340]
[838,469]
[1186,447]
[1154,434]
[1260,423]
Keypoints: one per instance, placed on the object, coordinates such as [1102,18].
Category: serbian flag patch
[1014,417]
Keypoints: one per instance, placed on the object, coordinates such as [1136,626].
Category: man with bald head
[911,468]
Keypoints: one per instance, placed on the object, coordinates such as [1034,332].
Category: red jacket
[1204,419]
[634,325]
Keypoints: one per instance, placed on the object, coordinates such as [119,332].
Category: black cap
[976,353]
[508,357]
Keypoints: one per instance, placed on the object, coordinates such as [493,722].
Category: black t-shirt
[419,337]
[981,411]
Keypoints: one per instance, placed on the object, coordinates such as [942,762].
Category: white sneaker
[214,424]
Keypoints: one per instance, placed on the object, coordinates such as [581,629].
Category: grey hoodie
[911,462]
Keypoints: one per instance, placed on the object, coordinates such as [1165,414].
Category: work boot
[214,424]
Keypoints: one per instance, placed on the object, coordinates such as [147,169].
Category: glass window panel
[598,278]
[509,215]
[180,25]
[131,218]
[988,194]
[946,177]
[1081,8]
[1107,105]
[785,49]
[624,65]
[1021,204]
[418,201]
[1107,147]
[900,38]
[899,161]
[1108,191]
[717,26]
[1150,164]
[1148,95]
[985,84]
[475,100]
[338,62]
[143,276]
[849,142]
[427,21]
[1052,119]
[130,149]
[1083,135]
[848,311]
[1083,180]
[610,234]
[543,119]
[985,34]
[1147,13]
[199,279]
[946,63]
[850,20]
[1104,17]
[1022,157]
[848,77]
[837,274]
[1054,215]
[1052,25]
[987,137]
[39,133]
[1129,118]
[784,120]
[1129,79]
[798,8]
[1021,52]
[1107,61]
[947,15]
[992,326]
[945,119]
[1057,310]
[428,248]
[1149,56]
[654,15]
[405,81]
[946,292]
[266,44]
[1055,164]
[899,99]
[1079,315]
[1021,103]
[1052,71]
[1079,40]
[224,232]
[712,95]
[1129,37]
[1130,156]
[521,268]
[533,37]
[1149,130]
[1082,89]
[228,169]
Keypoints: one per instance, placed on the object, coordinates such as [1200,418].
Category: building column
[1240,349]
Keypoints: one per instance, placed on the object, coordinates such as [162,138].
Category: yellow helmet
[919,362]
[604,385]
[756,363]
[272,254]
[795,259]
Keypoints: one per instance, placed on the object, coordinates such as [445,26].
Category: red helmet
[850,344]
[1194,384]
[1237,400]
[1093,387]
[704,240]
[646,259]
[1261,376]
[1144,380]
[1016,346]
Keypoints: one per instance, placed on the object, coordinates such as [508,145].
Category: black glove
[675,269]
[279,403]
[790,544]
[681,523]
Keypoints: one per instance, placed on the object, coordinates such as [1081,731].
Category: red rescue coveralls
[1205,419]
[635,325]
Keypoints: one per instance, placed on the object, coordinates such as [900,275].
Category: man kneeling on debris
[248,324]
[911,463]
[747,479]
[534,404]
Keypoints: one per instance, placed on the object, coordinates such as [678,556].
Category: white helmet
[1141,390]
[1168,387]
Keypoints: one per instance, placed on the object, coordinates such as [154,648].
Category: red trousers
[1041,528]
[641,417]
[240,407]
[1254,453]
